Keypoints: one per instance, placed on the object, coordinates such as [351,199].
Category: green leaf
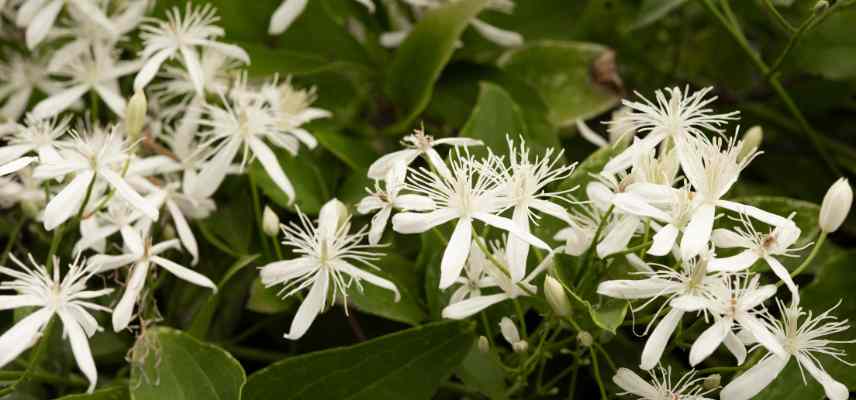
[484,372]
[176,366]
[562,72]
[495,117]
[405,365]
[381,302]
[203,318]
[310,185]
[605,312]
[266,300]
[653,10]
[352,151]
[422,56]
[828,49]
[226,227]
[114,393]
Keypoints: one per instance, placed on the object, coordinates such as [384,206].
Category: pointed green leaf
[114,393]
[495,117]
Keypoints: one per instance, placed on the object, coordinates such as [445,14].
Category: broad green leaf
[409,364]
[484,372]
[833,286]
[355,152]
[310,185]
[266,300]
[227,227]
[113,393]
[422,56]
[176,366]
[495,117]
[828,48]
[652,10]
[564,74]
[381,302]
[605,312]
[202,320]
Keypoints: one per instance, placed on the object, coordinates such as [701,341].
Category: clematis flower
[326,253]
[21,78]
[675,216]
[418,144]
[25,190]
[688,387]
[526,184]
[682,115]
[804,341]
[184,36]
[292,108]
[776,243]
[289,10]
[468,193]
[617,130]
[733,301]
[66,298]
[39,16]
[141,255]
[474,278]
[119,217]
[36,135]
[16,165]
[93,157]
[385,200]
[682,289]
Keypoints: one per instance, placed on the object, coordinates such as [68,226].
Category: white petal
[394,38]
[512,228]
[736,347]
[272,167]
[132,239]
[22,336]
[437,162]
[726,239]
[516,250]
[689,303]
[834,390]
[188,240]
[281,272]
[127,193]
[618,237]
[459,141]
[184,274]
[472,306]
[370,203]
[42,23]
[632,383]
[653,193]
[636,289]
[496,35]
[285,14]
[410,222]
[28,11]
[125,308]
[214,171]
[378,225]
[456,253]
[112,98]
[16,165]
[784,275]
[753,381]
[150,68]
[698,231]
[194,69]
[9,302]
[637,205]
[627,157]
[58,102]
[414,202]
[551,209]
[381,166]
[310,308]
[762,334]
[664,241]
[80,348]
[709,340]
[369,277]
[658,339]
[96,14]
[756,297]
[67,201]
[12,152]
[105,263]
[737,262]
[230,50]
[600,195]
[755,212]
[588,134]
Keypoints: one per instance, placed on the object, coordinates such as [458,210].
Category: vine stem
[13,238]
[595,367]
[820,240]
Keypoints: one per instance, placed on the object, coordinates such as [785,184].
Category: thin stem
[13,238]
[792,41]
[715,370]
[810,258]
[521,315]
[778,16]
[586,265]
[596,370]
[488,332]
[258,213]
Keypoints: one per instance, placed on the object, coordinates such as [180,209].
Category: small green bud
[270,222]
[135,115]
[585,339]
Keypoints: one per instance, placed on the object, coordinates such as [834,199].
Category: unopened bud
[836,205]
[520,346]
[821,6]
[483,344]
[333,215]
[751,142]
[585,339]
[135,115]
[270,222]
[556,297]
[711,382]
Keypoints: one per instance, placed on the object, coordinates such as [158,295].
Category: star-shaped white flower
[384,200]
[417,144]
[39,16]
[688,387]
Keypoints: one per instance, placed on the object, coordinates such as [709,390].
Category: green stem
[716,370]
[521,315]
[810,258]
[778,16]
[596,370]
[792,41]
[263,238]
[253,354]
[589,254]
[13,238]
[487,330]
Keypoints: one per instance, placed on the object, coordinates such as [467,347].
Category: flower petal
[698,231]
[41,24]
[737,262]
[151,67]
[272,167]
[279,272]
[456,253]
[753,381]
[58,102]
[512,228]
[285,14]
[664,241]
[310,308]
[67,201]
[23,335]
[411,222]
[834,390]
[80,348]
[130,195]
[736,347]
[632,383]
[762,334]
[125,308]
[183,273]
[658,339]
[709,340]
[369,277]
[637,289]
[472,306]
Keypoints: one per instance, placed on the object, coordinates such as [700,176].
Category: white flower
[183,35]
[512,335]
[617,130]
[804,341]
[119,217]
[676,215]
[326,253]
[289,10]
[683,290]
[836,205]
[526,184]
[66,298]
[688,387]
[292,108]
[25,190]
[21,77]
[37,135]
[39,17]
[141,254]
[96,70]
[495,276]
[385,200]
[777,242]
[96,156]
[469,192]
[733,302]
[417,144]
[16,165]
[682,115]
[556,297]
[474,278]
[270,222]
[169,195]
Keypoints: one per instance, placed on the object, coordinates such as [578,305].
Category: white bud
[270,222]
[135,114]
[556,297]
[836,205]
[821,6]
[484,345]
[585,339]
[751,142]
[520,346]
[711,382]
[509,330]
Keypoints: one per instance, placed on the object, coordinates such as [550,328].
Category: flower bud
[711,382]
[556,297]
[270,222]
[751,142]
[135,115]
[585,339]
[483,344]
[520,346]
[836,205]
[821,6]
